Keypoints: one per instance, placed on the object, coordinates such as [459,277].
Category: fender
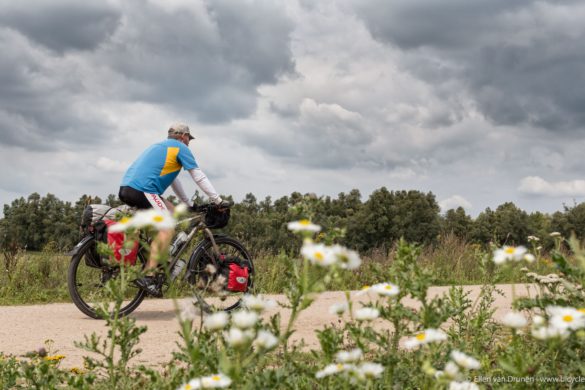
[80,245]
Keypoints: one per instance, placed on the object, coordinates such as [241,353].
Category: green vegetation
[445,342]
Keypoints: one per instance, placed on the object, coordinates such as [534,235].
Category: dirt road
[25,328]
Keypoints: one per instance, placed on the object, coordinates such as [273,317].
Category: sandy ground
[25,328]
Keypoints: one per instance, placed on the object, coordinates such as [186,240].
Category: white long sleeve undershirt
[203,182]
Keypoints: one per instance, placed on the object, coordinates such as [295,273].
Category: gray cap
[180,128]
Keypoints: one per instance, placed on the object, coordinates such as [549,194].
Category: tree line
[375,223]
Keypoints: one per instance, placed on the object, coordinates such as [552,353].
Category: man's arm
[179,191]
[203,182]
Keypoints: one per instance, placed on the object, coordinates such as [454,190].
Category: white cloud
[534,185]
[453,202]
[109,165]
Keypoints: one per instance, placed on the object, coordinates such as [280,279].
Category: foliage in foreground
[449,341]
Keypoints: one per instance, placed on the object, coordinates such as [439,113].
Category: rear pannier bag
[116,242]
[237,273]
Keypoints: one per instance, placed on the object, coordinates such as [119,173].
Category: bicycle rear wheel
[87,283]
[209,295]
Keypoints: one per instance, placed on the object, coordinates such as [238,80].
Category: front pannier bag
[237,273]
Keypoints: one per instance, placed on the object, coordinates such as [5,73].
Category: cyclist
[147,179]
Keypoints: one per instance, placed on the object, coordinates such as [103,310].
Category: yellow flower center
[421,336]
[388,287]
[568,318]
[510,250]
[365,287]
[581,310]
[339,366]
[188,387]
[305,222]
[215,378]
[124,220]
[319,256]
[158,218]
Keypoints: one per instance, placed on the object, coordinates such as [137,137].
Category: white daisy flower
[385,289]
[216,321]
[514,319]
[236,337]
[451,370]
[529,257]
[193,384]
[465,385]
[366,314]
[180,210]
[160,220]
[215,381]
[425,337]
[258,303]
[464,360]
[333,369]
[304,225]
[122,225]
[339,308]
[349,356]
[549,332]
[318,254]
[265,340]
[370,370]
[509,253]
[565,317]
[538,320]
[244,319]
[346,258]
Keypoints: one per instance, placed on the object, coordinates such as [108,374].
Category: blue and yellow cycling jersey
[157,167]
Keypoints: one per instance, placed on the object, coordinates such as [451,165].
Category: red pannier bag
[116,242]
[238,273]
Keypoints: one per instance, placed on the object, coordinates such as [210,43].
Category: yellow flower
[55,358]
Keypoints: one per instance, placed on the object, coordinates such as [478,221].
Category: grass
[41,277]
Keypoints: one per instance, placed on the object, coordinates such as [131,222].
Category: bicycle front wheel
[211,296]
[86,283]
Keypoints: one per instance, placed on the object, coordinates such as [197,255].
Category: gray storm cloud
[62,61]
[521,61]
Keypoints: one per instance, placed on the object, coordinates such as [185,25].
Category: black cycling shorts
[134,198]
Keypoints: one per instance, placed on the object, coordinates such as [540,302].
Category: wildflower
[236,337]
[191,385]
[122,225]
[425,337]
[189,312]
[451,370]
[349,356]
[210,269]
[529,257]
[215,381]
[216,321]
[55,358]
[369,370]
[533,238]
[509,253]
[565,317]
[76,370]
[346,258]
[339,308]
[538,320]
[244,319]
[549,332]
[160,220]
[464,360]
[366,314]
[265,340]
[181,209]
[304,225]
[385,289]
[318,254]
[333,369]
[465,385]
[555,234]
[258,303]
[515,320]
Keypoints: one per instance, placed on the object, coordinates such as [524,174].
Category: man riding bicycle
[149,176]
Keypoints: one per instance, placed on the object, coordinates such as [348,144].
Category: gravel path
[25,328]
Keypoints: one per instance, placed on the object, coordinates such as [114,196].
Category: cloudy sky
[480,102]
